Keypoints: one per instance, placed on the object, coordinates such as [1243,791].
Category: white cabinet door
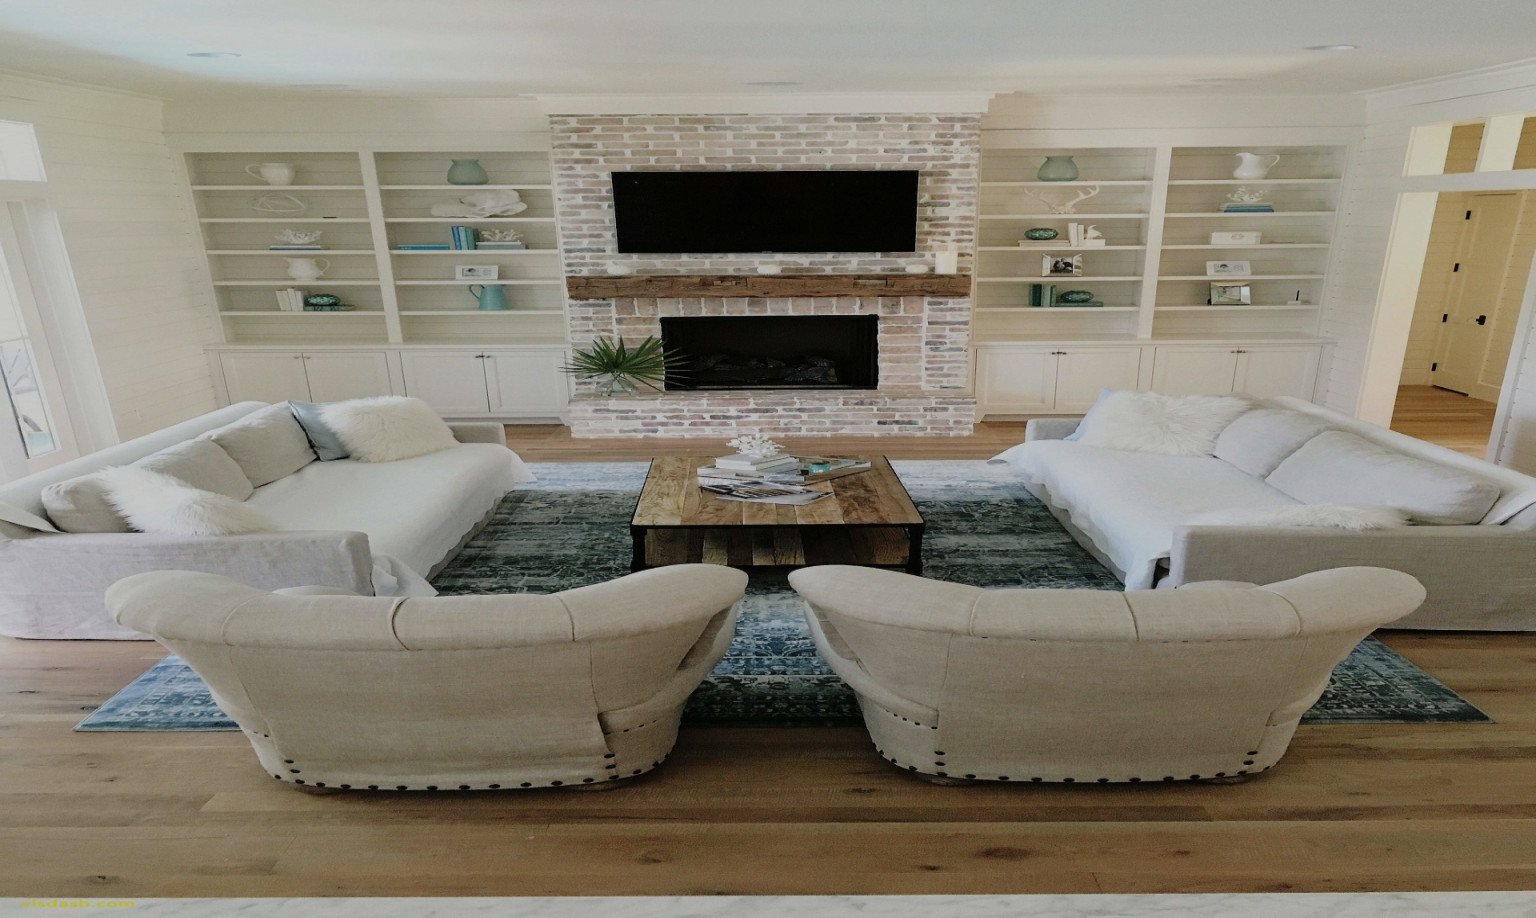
[1269,372]
[1082,372]
[1016,380]
[528,383]
[453,382]
[335,376]
[1194,370]
[264,376]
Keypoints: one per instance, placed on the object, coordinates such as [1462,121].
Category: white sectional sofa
[344,524]
[1472,544]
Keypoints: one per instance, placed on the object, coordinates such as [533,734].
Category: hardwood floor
[1447,418]
[1389,807]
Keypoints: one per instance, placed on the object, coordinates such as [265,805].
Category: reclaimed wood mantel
[646,286]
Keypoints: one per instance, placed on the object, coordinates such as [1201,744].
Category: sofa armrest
[1477,577]
[53,586]
[479,432]
[1050,428]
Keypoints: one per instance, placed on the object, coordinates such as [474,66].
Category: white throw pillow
[157,503]
[1171,425]
[388,428]
[1311,516]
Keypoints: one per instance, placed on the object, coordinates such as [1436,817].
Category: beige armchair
[1206,682]
[577,688]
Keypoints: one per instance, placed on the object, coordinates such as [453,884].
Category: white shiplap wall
[123,213]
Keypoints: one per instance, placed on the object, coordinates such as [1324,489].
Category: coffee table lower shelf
[899,547]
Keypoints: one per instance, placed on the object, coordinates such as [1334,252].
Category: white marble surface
[1215,905]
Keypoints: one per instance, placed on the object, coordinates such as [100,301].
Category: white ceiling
[498,48]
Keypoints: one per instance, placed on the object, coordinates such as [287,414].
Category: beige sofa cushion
[1258,441]
[268,444]
[1338,467]
[81,505]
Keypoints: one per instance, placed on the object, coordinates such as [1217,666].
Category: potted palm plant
[621,369]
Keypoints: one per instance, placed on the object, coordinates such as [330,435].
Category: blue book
[429,247]
[464,237]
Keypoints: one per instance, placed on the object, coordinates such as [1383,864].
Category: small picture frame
[1231,295]
[476,272]
[1228,268]
[1061,266]
[1246,237]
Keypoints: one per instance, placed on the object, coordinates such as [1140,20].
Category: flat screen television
[743,212]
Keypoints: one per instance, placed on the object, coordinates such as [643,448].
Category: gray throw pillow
[327,445]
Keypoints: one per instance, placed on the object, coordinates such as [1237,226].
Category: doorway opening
[1470,297]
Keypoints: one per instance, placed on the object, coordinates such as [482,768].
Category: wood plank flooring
[1447,418]
[1412,807]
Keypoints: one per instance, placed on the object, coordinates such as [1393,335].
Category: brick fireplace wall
[923,341]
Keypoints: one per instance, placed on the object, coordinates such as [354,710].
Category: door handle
[1481,320]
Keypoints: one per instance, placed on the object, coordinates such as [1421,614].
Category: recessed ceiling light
[1333,47]
[772,83]
[213,54]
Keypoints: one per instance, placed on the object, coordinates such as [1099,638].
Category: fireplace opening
[773,352]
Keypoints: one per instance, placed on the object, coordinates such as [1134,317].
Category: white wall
[123,214]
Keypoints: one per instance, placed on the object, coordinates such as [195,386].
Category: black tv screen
[737,212]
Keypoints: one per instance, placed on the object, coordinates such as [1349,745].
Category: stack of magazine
[779,480]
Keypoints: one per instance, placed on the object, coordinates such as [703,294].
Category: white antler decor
[1068,207]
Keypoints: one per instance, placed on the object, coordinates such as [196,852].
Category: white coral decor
[755,445]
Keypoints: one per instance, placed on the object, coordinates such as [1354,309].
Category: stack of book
[464,237]
[424,247]
[290,300]
[290,247]
[497,244]
[1257,207]
[804,470]
[757,465]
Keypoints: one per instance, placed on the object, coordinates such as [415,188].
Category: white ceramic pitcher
[1253,166]
[307,269]
[273,173]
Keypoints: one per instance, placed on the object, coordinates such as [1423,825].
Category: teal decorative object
[1040,233]
[490,297]
[1074,296]
[470,172]
[1057,169]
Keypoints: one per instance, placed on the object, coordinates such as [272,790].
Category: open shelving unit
[367,205]
[1156,208]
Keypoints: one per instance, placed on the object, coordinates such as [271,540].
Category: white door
[1270,372]
[1194,370]
[1082,372]
[335,376]
[528,383]
[453,382]
[264,376]
[1016,380]
[1464,345]
[35,429]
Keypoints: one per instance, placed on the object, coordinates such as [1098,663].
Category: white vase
[307,269]
[1252,166]
[273,173]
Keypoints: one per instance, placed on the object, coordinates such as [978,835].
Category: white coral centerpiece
[755,445]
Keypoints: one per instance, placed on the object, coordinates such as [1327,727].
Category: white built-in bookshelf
[369,206]
[1156,208]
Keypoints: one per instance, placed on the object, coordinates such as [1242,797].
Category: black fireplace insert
[773,352]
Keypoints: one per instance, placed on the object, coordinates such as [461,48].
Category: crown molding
[797,103]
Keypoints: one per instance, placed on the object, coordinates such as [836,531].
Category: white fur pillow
[1312,516]
[157,503]
[387,428]
[1171,425]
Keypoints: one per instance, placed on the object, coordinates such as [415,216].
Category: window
[32,420]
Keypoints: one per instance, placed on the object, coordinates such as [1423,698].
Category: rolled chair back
[1087,685]
[452,692]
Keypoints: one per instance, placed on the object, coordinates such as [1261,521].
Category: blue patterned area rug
[570,529]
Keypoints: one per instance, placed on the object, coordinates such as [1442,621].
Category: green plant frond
[647,363]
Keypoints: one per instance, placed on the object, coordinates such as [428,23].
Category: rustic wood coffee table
[869,520]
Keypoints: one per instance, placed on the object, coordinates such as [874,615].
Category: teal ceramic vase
[1040,234]
[1057,169]
[490,297]
[470,172]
